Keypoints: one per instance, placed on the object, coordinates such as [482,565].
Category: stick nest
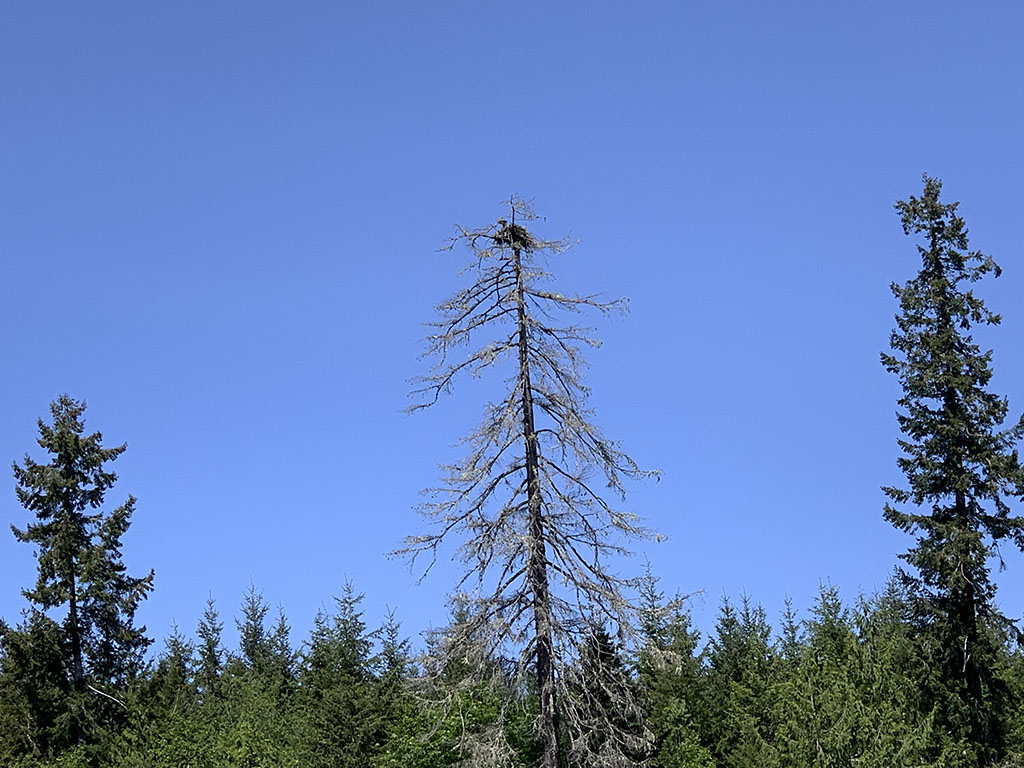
[514,236]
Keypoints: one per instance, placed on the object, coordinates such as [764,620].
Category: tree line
[550,658]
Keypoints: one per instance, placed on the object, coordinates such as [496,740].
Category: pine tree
[79,561]
[960,465]
[537,530]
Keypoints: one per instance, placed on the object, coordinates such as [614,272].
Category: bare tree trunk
[77,665]
[967,617]
[537,572]
[78,668]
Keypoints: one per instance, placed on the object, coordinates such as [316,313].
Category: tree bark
[537,572]
[77,663]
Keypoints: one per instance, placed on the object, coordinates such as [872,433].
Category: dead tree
[536,530]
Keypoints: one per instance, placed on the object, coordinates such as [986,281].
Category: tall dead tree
[537,532]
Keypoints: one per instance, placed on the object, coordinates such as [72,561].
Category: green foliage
[960,466]
[424,733]
[669,676]
[34,688]
[678,744]
[79,551]
[601,691]
[851,688]
[210,708]
[340,696]
[737,714]
[899,719]
[1013,674]
[843,700]
[451,711]
[211,653]
[72,677]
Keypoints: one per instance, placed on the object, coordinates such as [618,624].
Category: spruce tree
[210,651]
[670,678]
[79,562]
[341,702]
[742,666]
[960,463]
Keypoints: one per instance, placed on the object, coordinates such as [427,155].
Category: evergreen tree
[1014,674]
[78,551]
[394,662]
[736,720]
[790,645]
[845,694]
[601,691]
[253,639]
[266,661]
[260,723]
[169,725]
[34,690]
[468,690]
[173,682]
[899,727]
[960,465]
[340,698]
[670,677]
[525,498]
[210,652]
[395,703]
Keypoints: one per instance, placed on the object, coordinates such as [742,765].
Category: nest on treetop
[514,236]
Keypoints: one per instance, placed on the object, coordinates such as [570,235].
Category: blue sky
[219,223]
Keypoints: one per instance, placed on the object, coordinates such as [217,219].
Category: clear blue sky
[219,223]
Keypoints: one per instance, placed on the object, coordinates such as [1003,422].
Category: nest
[514,236]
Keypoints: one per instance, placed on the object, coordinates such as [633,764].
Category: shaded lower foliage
[850,685]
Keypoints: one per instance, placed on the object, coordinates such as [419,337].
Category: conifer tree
[255,701]
[604,692]
[341,702]
[892,671]
[172,683]
[254,643]
[960,463]
[670,677]
[79,561]
[34,689]
[210,663]
[537,530]
[742,665]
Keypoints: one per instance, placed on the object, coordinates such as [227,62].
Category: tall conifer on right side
[961,465]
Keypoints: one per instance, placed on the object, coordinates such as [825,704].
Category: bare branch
[536,534]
